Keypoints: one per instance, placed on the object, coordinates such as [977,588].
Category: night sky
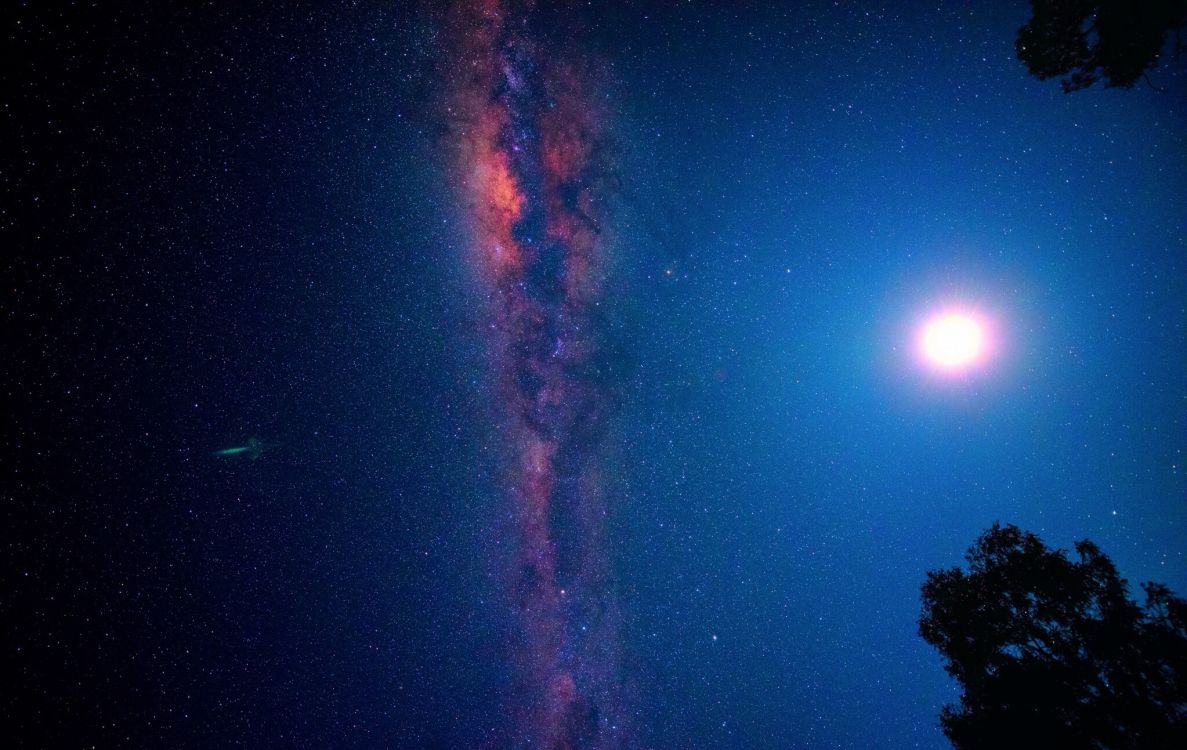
[578,346]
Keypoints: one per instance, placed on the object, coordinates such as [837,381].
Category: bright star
[952,340]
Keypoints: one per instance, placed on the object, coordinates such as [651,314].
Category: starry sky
[222,223]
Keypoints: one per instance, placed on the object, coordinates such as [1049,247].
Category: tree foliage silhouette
[1087,39]
[1053,652]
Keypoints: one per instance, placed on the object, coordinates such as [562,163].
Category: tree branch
[1150,83]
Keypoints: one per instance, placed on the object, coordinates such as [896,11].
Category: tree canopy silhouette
[1053,652]
[1087,39]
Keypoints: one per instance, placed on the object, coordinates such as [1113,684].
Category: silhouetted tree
[1086,39]
[1053,653]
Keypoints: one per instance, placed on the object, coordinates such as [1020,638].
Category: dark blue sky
[230,223]
[819,180]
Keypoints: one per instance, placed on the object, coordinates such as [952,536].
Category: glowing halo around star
[953,341]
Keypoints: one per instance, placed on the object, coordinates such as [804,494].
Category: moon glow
[952,341]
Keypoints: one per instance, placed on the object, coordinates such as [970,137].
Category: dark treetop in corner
[1118,39]
[1053,652]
